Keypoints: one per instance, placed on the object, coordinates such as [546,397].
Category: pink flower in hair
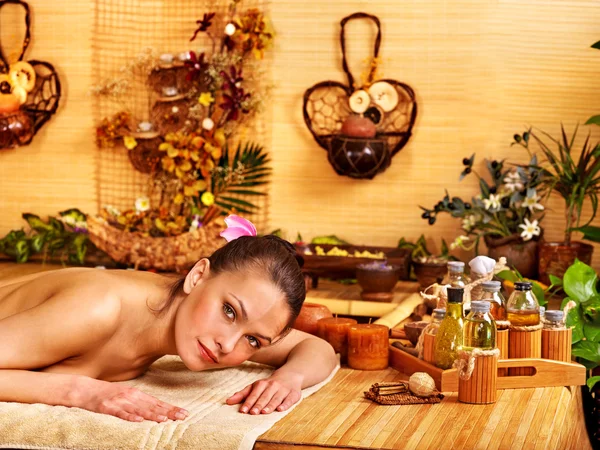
[237,226]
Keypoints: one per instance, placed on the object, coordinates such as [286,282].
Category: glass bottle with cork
[554,320]
[449,337]
[455,276]
[491,294]
[522,307]
[436,319]
[480,328]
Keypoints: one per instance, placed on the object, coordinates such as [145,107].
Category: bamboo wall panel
[482,70]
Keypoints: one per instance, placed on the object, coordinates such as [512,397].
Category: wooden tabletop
[339,416]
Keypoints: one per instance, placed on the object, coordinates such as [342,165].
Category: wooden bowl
[413,330]
[377,284]
[345,266]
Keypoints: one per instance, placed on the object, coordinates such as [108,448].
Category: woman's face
[227,318]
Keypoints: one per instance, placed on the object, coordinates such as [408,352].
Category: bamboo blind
[482,70]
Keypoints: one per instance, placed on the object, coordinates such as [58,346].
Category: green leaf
[591,309]
[508,275]
[22,251]
[580,281]
[589,365]
[37,242]
[591,381]
[539,293]
[555,281]
[575,320]
[591,233]
[596,45]
[36,223]
[591,332]
[587,350]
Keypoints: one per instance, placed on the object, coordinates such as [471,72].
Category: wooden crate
[547,372]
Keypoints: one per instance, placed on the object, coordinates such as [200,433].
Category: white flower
[230,29]
[208,124]
[142,204]
[81,225]
[112,210]
[532,203]
[459,242]
[513,182]
[493,202]
[69,220]
[469,222]
[530,229]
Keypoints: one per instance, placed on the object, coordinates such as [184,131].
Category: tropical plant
[508,204]
[65,236]
[575,180]
[580,283]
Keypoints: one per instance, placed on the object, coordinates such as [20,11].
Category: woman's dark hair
[269,254]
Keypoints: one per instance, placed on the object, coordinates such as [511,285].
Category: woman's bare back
[111,349]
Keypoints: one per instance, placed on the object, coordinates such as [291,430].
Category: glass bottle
[456,275]
[491,293]
[436,319]
[522,306]
[450,334]
[480,327]
[554,320]
[542,313]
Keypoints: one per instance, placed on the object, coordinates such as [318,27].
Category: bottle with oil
[522,307]
[455,276]
[449,337]
[480,327]
[491,293]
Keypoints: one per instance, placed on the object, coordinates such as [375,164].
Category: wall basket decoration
[361,128]
[29,92]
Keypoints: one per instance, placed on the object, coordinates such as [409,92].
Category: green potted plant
[577,181]
[429,268]
[506,213]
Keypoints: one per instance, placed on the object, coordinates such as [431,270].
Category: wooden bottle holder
[556,344]
[524,344]
[502,344]
[428,347]
[480,388]
[546,372]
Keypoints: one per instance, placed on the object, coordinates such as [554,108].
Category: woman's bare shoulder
[90,288]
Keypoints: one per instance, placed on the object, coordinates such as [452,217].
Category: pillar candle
[335,331]
[368,346]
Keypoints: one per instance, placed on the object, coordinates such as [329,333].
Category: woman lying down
[68,334]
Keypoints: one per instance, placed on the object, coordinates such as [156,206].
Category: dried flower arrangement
[201,103]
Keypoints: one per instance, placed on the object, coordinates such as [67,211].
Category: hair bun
[288,246]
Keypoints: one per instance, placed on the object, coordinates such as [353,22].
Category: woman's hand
[125,402]
[276,393]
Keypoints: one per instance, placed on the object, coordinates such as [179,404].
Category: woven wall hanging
[361,127]
[29,92]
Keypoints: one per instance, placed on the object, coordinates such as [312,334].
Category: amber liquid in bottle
[524,317]
[497,311]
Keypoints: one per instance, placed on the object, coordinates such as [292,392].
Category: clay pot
[309,315]
[519,254]
[429,273]
[377,283]
[556,257]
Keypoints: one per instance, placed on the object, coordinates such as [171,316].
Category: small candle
[335,331]
[368,346]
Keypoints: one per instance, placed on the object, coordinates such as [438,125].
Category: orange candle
[368,346]
[335,331]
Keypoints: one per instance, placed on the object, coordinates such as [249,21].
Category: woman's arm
[68,324]
[304,360]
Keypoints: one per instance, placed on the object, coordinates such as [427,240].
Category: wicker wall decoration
[361,127]
[29,91]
